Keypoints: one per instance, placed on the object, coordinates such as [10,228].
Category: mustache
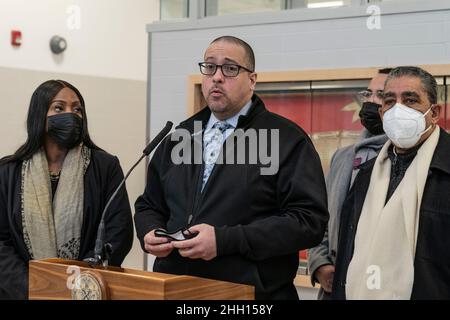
[216,88]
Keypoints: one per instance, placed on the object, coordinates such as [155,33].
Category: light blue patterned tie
[213,140]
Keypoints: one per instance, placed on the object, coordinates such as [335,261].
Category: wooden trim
[437,70]
[194,96]
[195,101]
[304,281]
[316,75]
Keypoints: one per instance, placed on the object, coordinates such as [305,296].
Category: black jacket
[101,178]
[261,221]
[432,260]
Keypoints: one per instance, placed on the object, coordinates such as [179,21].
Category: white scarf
[53,228]
[382,266]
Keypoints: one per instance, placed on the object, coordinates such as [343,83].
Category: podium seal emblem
[89,286]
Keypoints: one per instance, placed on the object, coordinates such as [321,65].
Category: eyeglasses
[366,94]
[228,70]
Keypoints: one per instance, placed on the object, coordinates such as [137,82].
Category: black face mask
[65,129]
[370,118]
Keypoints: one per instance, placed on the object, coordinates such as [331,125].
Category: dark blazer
[101,178]
[261,221]
[432,260]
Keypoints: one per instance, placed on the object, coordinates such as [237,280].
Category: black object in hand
[180,235]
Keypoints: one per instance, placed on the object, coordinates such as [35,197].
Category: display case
[326,110]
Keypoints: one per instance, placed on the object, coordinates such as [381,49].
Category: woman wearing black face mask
[54,188]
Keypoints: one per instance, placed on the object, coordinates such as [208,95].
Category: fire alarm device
[58,44]
[16,38]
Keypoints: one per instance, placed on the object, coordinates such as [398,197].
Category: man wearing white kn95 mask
[394,235]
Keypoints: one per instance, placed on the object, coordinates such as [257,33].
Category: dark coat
[339,181]
[432,260]
[261,221]
[101,178]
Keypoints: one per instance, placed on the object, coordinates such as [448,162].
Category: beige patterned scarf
[53,228]
[382,266]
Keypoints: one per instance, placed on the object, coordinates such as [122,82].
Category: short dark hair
[428,82]
[385,70]
[249,54]
[37,119]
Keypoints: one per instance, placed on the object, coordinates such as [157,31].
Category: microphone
[157,139]
[102,250]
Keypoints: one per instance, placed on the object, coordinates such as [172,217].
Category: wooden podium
[51,279]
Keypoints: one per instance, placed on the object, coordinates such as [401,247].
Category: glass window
[318,3]
[225,7]
[327,110]
[174,9]
[375,1]
[290,100]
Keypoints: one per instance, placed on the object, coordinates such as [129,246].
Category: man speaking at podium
[239,222]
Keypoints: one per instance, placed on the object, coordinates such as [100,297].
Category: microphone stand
[102,250]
